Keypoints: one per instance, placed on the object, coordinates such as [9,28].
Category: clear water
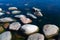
[49,8]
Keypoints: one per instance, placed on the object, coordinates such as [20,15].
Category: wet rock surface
[50,30]
[6,19]
[15,26]
[36,36]
[12,8]
[6,25]
[29,28]
[16,12]
[1,29]
[1,13]
[5,36]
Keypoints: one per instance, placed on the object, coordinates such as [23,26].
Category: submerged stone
[20,16]
[37,11]
[6,19]
[1,13]
[16,12]
[29,28]
[8,12]
[31,15]
[50,30]
[1,10]
[5,36]
[36,36]
[14,26]
[12,8]
[6,25]
[24,19]
[1,29]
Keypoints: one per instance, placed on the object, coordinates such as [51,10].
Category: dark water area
[49,8]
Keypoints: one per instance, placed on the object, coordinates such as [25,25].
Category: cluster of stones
[49,30]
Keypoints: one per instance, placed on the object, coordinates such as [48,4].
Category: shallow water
[49,8]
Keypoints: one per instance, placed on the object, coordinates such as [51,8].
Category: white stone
[0,9]
[36,36]
[16,12]
[20,16]
[15,26]
[24,19]
[31,15]
[26,4]
[5,36]
[29,28]
[8,12]
[36,9]
[1,13]
[12,8]
[6,19]
[50,30]
[37,12]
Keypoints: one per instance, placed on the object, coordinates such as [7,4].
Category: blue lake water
[50,8]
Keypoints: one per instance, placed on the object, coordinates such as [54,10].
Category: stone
[14,26]
[16,12]
[31,15]
[1,29]
[8,12]
[36,9]
[0,9]
[36,36]
[1,13]
[24,19]
[50,30]
[6,19]
[26,4]
[12,8]
[37,12]
[20,16]
[6,25]
[29,28]
[5,36]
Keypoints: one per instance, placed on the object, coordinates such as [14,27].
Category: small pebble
[12,8]
[6,25]
[1,29]
[1,13]
[16,12]
[1,10]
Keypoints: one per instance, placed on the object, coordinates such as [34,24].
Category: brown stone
[6,25]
